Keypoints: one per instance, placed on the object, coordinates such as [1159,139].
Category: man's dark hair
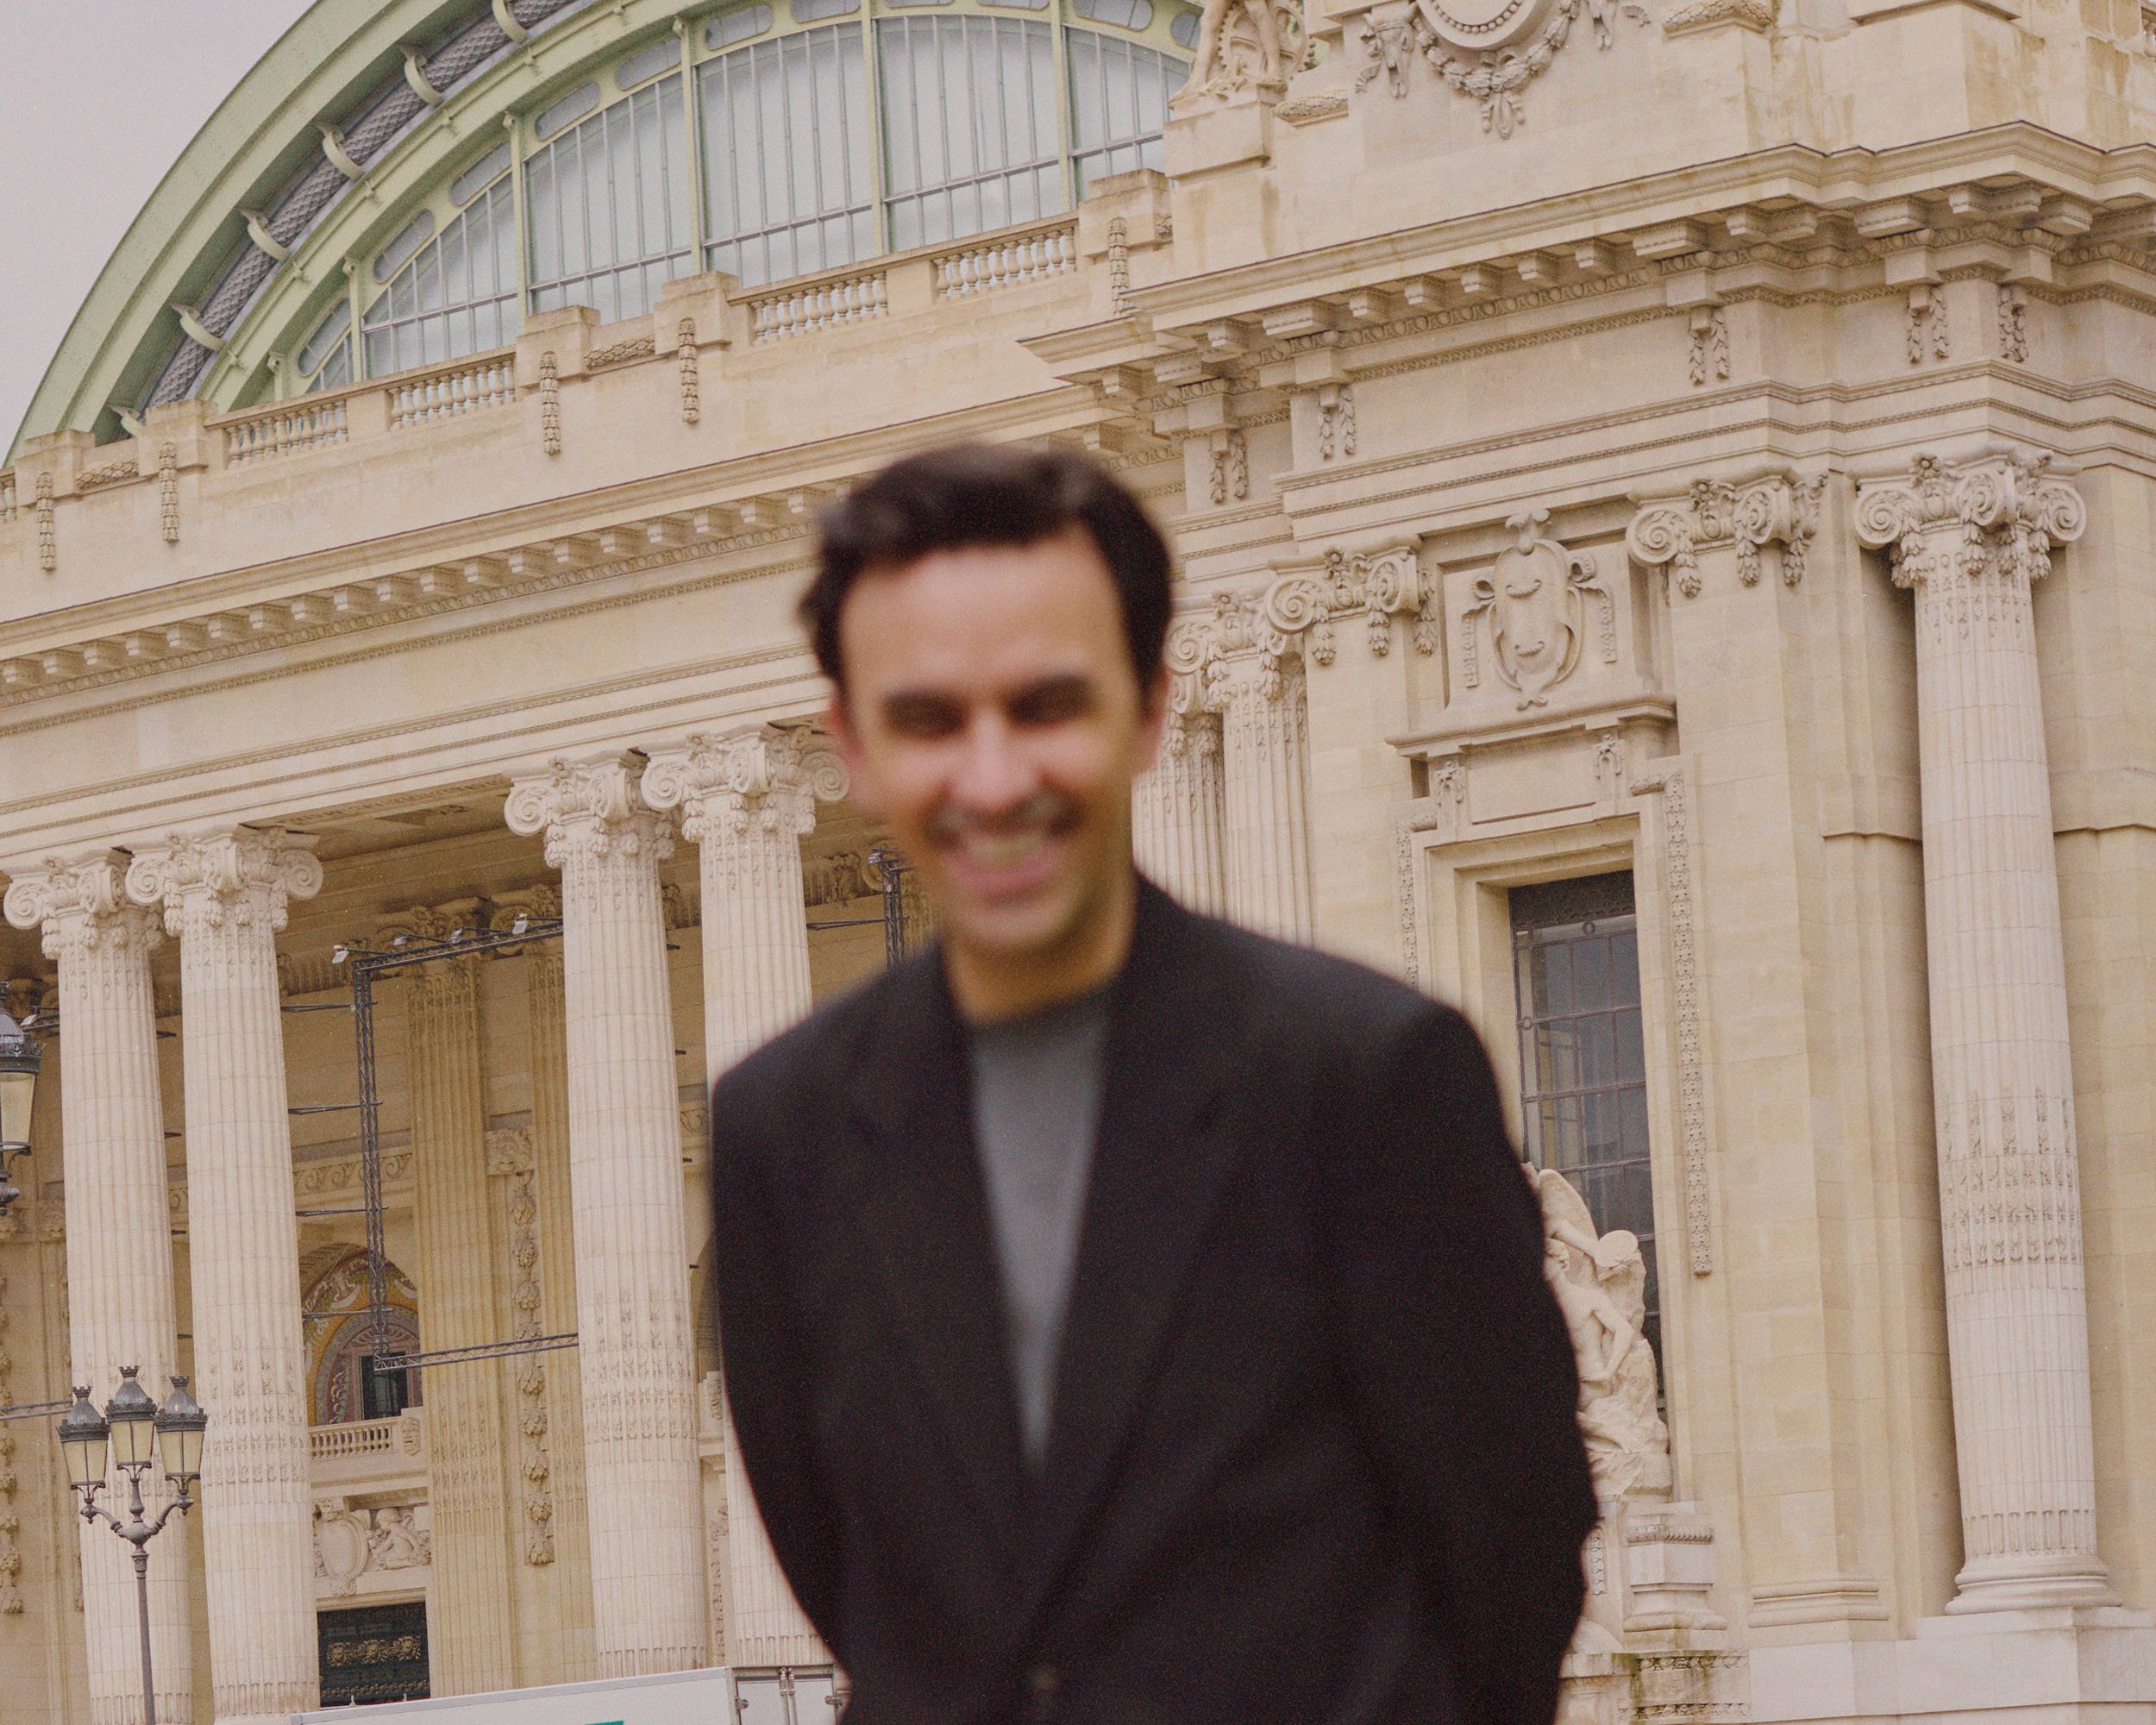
[968,495]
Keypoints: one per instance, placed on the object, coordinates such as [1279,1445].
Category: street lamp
[18,1089]
[133,1431]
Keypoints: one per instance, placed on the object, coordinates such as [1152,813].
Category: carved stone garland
[1781,509]
[1488,50]
[510,1162]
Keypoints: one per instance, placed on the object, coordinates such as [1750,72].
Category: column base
[2016,1584]
[2090,1666]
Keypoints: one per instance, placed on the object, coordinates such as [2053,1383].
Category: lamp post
[18,1088]
[135,1429]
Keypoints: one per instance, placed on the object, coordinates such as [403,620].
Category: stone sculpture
[1241,45]
[1601,1282]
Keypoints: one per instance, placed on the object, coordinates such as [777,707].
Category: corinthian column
[642,1489]
[746,798]
[1251,675]
[1970,539]
[225,897]
[119,1246]
[468,1645]
[1176,809]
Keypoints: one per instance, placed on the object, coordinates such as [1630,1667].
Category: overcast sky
[103,94]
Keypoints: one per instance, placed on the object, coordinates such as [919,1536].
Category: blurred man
[1126,1319]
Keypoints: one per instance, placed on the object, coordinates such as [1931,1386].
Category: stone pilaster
[570,1534]
[119,1247]
[640,1462]
[469,1610]
[225,896]
[1250,672]
[1970,538]
[747,799]
[1176,811]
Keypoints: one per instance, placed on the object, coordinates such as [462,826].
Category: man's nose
[994,775]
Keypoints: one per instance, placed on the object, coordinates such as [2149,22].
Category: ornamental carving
[589,810]
[1781,509]
[1242,45]
[766,778]
[244,878]
[1600,1284]
[1535,604]
[1387,586]
[82,908]
[1981,529]
[1487,50]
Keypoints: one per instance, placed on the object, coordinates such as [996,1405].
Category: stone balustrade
[821,303]
[469,387]
[283,430]
[1010,260]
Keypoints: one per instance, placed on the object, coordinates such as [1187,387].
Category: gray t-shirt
[1036,1083]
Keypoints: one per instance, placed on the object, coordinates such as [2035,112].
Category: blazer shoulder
[1321,995]
[797,1065]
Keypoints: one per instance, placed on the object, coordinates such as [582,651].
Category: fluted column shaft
[119,1250]
[641,1472]
[571,1541]
[225,897]
[470,1648]
[1177,812]
[1970,539]
[747,799]
[1264,778]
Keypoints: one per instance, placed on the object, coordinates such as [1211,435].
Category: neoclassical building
[1665,493]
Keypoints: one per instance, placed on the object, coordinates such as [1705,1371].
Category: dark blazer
[1312,1458]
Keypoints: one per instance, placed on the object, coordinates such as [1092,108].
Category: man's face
[992,717]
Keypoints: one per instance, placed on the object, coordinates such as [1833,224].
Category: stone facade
[1697,452]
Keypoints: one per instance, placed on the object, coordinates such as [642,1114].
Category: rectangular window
[1582,1066]
[383,1394]
[608,207]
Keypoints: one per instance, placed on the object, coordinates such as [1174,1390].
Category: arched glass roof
[767,139]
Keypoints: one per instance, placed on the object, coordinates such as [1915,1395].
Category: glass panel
[482,173]
[1183,29]
[573,106]
[785,155]
[968,144]
[608,206]
[456,296]
[737,26]
[646,63]
[1118,101]
[1583,1070]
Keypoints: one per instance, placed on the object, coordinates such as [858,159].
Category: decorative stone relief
[509,1160]
[1668,779]
[549,404]
[1387,585]
[1487,50]
[1336,421]
[10,1523]
[351,1543]
[1710,345]
[2013,322]
[1782,509]
[1533,604]
[1601,1283]
[1230,475]
[1119,266]
[168,493]
[1927,329]
[692,406]
[47,547]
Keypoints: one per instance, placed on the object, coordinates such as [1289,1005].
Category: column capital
[1235,655]
[764,775]
[246,876]
[1996,516]
[81,903]
[590,807]
[1747,514]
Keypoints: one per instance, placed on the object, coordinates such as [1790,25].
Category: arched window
[609,206]
[787,176]
[325,360]
[971,135]
[456,296]
[1119,104]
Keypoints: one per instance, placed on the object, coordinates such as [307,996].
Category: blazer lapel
[917,1182]
[1160,1160]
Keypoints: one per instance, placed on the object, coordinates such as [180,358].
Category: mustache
[1041,809]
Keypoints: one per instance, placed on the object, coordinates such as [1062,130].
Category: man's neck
[989,988]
